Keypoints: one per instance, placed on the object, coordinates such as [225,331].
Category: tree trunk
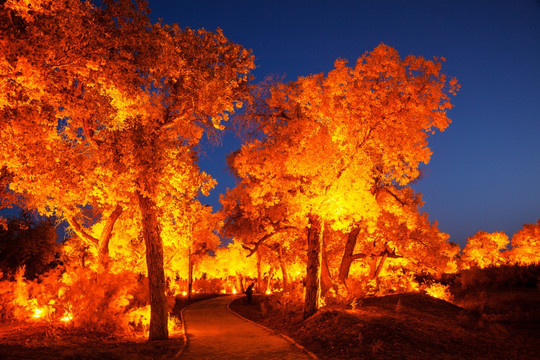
[326,278]
[269,279]
[380,266]
[101,244]
[106,235]
[313,269]
[284,273]
[154,263]
[347,258]
[240,282]
[190,274]
[259,280]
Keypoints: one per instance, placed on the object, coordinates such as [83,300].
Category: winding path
[215,333]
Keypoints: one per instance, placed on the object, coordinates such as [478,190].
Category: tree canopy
[101,108]
[323,144]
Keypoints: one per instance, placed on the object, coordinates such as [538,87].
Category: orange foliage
[439,291]
[485,249]
[326,148]
[526,245]
[104,117]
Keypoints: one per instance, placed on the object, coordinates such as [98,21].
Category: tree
[526,245]
[101,108]
[484,249]
[401,232]
[30,242]
[265,224]
[187,242]
[321,141]
[8,199]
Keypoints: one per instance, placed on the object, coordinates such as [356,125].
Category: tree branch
[403,203]
[77,228]
[358,256]
[106,234]
[263,239]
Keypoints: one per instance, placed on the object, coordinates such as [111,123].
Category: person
[249,292]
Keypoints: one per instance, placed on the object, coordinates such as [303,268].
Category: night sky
[485,170]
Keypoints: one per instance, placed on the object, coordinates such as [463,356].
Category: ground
[43,342]
[31,341]
[502,324]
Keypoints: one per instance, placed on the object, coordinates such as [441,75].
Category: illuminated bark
[101,243]
[313,268]
[348,257]
[103,257]
[259,283]
[326,278]
[380,266]
[154,263]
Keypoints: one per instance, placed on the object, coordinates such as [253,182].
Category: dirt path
[215,333]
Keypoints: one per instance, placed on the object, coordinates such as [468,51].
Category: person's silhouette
[249,292]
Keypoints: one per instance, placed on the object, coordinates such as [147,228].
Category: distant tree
[229,261]
[265,228]
[101,108]
[320,141]
[485,249]
[526,245]
[8,199]
[30,242]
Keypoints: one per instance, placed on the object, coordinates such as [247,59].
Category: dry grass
[413,326]
[42,341]
[50,341]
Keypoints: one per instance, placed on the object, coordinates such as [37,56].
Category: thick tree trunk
[284,273]
[313,269]
[347,258]
[154,263]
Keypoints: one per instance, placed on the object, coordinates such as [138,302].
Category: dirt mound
[391,327]
[404,326]
[414,301]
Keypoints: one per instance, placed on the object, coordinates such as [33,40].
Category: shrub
[500,276]
[86,299]
[439,291]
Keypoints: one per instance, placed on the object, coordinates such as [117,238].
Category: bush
[84,298]
[29,244]
[500,276]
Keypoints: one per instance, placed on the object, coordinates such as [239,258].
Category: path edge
[287,338]
[184,333]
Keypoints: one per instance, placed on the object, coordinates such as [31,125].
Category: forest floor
[490,324]
[487,324]
[47,342]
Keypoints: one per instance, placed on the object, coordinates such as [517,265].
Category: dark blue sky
[485,170]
